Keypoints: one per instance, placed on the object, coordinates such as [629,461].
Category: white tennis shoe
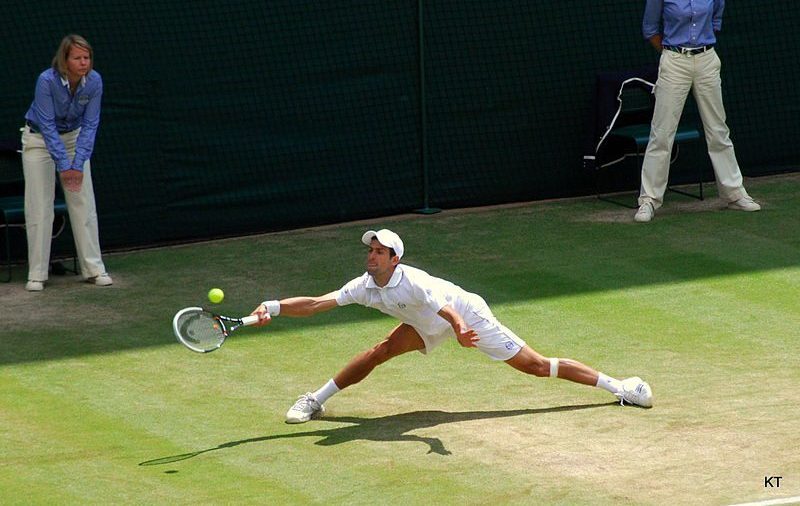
[305,409]
[645,213]
[744,204]
[101,280]
[635,391]
[34,286]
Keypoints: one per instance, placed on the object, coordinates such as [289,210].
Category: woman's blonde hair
[60,59]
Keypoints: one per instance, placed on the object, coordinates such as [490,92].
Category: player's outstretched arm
[294,306]
[307,306]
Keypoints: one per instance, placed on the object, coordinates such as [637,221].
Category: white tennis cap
[386,237]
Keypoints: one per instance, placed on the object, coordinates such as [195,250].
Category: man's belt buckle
[691,51]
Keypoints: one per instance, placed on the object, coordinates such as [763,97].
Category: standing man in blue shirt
[684,32]
[58,136]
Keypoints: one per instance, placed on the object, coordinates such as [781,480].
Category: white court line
[771,502]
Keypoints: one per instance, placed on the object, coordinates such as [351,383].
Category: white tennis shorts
[496,340]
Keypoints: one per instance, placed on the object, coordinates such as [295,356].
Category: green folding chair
[12,204]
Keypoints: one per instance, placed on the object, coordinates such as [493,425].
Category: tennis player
[430,310]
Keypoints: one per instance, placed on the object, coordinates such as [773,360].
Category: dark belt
[35,130]
[689,50]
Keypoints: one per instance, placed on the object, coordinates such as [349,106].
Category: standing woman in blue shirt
[684,32]
[58,137]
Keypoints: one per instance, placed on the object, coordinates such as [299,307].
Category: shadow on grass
[526,253]
[392,428]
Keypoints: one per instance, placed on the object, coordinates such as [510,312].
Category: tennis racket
[203,331]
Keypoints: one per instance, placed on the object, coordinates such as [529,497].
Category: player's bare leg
[531,362]
[402,339]
[631,390]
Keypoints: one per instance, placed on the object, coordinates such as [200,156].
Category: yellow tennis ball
[216,295]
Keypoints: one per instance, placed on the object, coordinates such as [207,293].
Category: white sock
[326,392]
[608,383]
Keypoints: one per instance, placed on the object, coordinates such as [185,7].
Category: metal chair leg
[8,255]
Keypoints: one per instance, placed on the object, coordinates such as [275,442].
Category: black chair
[12,203]
[628,133]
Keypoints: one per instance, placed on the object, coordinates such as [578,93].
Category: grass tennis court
[100,405]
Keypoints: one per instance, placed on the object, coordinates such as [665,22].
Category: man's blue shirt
[55,109]
[684,23]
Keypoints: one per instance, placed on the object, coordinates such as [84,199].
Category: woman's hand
[71,180]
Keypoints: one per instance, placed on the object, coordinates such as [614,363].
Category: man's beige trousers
[677,74]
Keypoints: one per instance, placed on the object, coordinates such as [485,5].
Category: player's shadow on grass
[384,428]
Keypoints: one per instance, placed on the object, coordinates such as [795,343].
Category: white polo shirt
[412,296]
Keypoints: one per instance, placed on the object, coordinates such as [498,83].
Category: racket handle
[249,320]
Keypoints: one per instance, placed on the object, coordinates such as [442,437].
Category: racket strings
[202,330]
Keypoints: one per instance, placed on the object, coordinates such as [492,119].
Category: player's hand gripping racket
[203,331]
